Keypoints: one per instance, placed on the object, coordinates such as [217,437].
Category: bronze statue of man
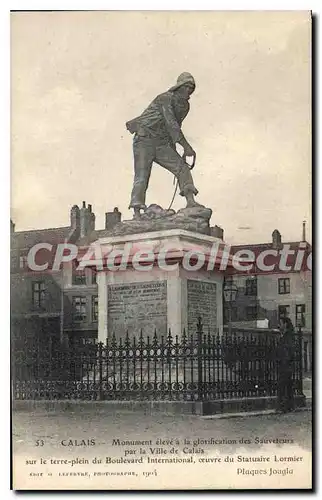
[157,131]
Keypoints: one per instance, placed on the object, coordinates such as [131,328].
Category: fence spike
[127,340]
[141,341]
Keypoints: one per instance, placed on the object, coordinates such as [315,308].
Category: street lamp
[230,293]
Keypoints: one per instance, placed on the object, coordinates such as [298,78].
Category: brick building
[55,306]
[266,296]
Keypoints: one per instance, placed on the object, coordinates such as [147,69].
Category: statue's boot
[191,202]
[137,211]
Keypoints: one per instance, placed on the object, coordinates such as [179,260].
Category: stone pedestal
[163,294]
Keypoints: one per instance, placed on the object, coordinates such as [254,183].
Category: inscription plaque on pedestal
[134,307]
[202,302]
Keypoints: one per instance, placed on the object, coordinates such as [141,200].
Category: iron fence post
[100,370]
[200,355]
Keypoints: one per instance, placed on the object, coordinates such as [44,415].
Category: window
[38,294]
[22,262]
[94,308]
[283,286]
[14,262]
[251,312]
[79,277]
[93,278]
[251,286]
[300,315]
[79,308]
[283,312]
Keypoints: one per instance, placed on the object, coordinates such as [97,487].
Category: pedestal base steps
[200,408]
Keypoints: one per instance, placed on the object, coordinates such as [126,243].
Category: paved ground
[103,425]
[53,427]
[307,386]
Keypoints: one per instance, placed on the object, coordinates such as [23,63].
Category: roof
[260,247]
[262,260]
[264,246]
[27,239]
[93,236]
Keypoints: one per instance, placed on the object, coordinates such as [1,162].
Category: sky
[77,77]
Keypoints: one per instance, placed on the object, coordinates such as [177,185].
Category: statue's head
[185,84]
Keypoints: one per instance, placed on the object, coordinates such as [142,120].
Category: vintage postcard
[161,258]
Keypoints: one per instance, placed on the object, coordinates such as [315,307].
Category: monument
[156,132]
[171,293]
[161,273]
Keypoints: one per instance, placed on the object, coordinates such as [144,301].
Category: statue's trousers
[148,150]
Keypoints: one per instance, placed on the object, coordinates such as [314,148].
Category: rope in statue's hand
[177,183]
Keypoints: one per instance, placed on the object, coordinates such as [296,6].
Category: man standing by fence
[285,367]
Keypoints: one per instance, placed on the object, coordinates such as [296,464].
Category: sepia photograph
[161,250]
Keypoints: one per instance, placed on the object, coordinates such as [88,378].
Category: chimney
[92,221]
[87,220]
[12,226]
[112,218]
[74,217]
[304,231]
[217,232]
[83,220]
[91,218]
[276,239]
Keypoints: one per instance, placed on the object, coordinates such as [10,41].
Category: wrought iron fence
[197,367]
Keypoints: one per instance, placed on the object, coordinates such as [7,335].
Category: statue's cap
[182,79]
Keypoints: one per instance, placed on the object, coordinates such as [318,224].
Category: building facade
[55,307]
[264,297]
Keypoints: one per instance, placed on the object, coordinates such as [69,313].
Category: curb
[251,414]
